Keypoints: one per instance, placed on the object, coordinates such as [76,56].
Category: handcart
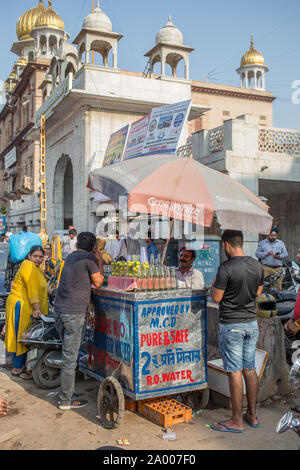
[144,345]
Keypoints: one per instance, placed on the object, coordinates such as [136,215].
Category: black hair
[235,238]
[36,248]
[86,241]
[193,252]
[73,231]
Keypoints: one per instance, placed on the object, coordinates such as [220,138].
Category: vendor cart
[144,345]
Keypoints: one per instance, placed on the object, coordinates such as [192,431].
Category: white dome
[169,34]
[98,20]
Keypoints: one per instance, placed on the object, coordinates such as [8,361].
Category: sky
[218,30]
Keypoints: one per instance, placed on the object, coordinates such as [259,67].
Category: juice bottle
[173,278]
[162,283]
[156,278]
[167,278]
[151,279]
[139,279]
[145,278]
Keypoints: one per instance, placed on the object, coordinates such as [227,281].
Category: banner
[158,132]
[136,138]
[165,128]
[115,148]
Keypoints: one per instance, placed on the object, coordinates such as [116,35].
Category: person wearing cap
[272,252]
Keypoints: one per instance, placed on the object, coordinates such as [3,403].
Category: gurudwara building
[85,97]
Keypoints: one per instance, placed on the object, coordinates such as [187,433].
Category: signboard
[56,96]
[154,346]
[158,132]
[166,124]
[115,148]
[208,260]
[10,158]
[136,139]
[110,345]
[171,345]
[2,225]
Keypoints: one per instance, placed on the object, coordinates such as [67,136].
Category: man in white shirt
[73,241]
[187,276]
[65,243]
[112,247]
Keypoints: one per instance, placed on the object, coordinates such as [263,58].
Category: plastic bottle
[152,260]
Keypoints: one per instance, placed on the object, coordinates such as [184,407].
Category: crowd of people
[239,281]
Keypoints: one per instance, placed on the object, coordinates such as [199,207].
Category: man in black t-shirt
[239,280]
[82,268]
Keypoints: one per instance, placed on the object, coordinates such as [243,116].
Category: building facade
[85,97]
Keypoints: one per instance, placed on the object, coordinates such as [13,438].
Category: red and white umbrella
[183,189]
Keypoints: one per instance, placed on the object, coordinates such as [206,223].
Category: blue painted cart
[145,345]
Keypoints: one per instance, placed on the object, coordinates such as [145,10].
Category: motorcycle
[291,276]
[288,421]
[280,303]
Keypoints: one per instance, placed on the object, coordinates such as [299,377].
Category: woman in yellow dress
[28,296]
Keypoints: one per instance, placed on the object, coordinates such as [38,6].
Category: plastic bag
[21,244]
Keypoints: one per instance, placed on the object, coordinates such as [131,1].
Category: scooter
[44,355]
[288,421]
[281,304]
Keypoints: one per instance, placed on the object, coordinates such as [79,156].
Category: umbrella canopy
[182,189]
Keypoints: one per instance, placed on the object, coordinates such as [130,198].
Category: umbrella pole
[168,241]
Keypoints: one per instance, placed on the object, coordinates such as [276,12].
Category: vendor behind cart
[187,276]
[81,268]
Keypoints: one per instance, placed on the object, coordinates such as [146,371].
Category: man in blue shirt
[151,248]
[271,252]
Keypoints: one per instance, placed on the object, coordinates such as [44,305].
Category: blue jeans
[237,345]
[70,328]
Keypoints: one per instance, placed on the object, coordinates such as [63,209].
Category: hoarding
[115,148]
[136,138]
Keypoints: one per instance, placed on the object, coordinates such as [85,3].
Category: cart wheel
[111,403]
[197,400]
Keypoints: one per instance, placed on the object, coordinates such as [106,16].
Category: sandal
[14,374]
[25,375]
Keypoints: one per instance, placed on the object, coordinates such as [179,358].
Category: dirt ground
[35,423]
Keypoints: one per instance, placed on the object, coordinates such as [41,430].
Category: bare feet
[4,407]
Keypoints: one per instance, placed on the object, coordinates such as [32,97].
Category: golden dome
[252,57]
[49,19]
[13,76]
[27,21]
[22,62]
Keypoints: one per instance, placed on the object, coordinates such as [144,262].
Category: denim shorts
[237,345]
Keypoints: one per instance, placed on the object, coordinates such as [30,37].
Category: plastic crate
[165,411]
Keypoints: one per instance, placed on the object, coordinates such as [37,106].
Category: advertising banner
[158,132]
[115,148]
[136,138]
[165,128]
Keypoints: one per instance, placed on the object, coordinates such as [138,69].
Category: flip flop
[248,422]
[227,429]
[18,374]
[28,376]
